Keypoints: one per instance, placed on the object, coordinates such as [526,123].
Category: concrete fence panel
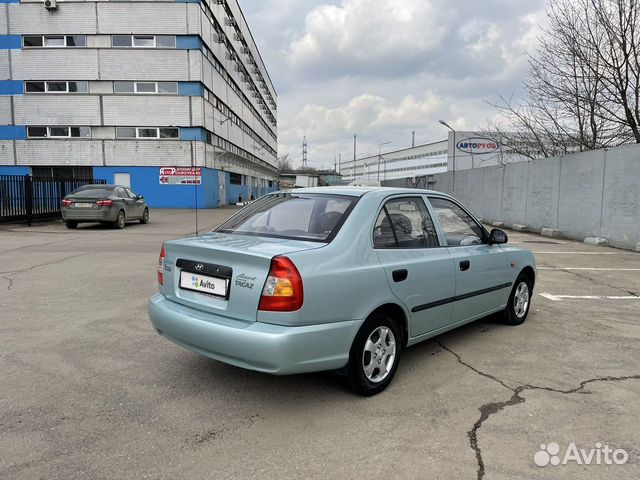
[468,188]
[589,194]
[543,192]
[621,199]
[580,203]
[491,199]
[514,194]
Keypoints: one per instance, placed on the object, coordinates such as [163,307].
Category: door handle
[400,275]
[465,265]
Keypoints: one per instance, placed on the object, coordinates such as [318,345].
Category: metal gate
[24,198]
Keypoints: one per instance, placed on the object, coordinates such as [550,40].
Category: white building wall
[4,65]
[144,64]
[147,152]
[5,110]
[6,152]
[58,109]
[55,64]
[77,18]
[152,110]
[127,18]
[409,162]
[59,152]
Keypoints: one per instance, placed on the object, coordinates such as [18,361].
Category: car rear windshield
[315,217]
[89,192]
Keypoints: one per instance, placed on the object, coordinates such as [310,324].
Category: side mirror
[497,236]
[140,197]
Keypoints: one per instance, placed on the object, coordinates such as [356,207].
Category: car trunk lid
[223,273]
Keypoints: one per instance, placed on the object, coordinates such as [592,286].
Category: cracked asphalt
[89,390]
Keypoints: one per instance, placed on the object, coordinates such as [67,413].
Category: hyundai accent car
[338,278]
[108,204]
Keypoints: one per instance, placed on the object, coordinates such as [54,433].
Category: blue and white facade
[121,89]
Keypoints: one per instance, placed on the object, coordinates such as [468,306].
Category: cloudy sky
[383,68]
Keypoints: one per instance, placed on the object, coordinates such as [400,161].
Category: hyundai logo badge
[199,267]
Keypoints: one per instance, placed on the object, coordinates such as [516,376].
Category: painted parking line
[597,269]
[583,253]
[559,298]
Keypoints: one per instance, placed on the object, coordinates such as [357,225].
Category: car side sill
[452,326]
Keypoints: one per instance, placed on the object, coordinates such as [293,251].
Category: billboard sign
[180,176]
[477,145]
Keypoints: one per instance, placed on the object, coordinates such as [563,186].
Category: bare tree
[582,84]
[284,163]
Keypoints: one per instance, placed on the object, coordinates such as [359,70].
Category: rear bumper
[89,215]
[263,347]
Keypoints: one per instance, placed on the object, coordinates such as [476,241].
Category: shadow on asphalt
[216,377]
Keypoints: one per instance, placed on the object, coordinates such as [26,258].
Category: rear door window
[404,223]
[315,217]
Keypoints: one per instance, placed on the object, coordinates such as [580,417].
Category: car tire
[378,343]
[519,301]
[71,224]
[120,220]
[145,217]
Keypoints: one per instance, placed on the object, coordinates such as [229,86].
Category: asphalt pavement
[89,390]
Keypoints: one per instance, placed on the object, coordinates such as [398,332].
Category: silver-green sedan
[337,279]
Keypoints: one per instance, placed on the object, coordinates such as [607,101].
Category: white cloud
[383,68]
[367,34]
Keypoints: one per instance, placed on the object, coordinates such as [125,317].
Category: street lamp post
[380,155]
[453,181]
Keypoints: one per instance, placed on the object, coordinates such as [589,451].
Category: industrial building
[159,96]
[472,150]
[408,162]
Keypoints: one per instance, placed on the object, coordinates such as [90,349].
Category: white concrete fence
[592,196]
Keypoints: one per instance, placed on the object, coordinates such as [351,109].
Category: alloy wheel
[521,300]
[379,354]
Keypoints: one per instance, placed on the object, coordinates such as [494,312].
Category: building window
[56,87]
[167,87]
[54,41]
[169,133]
[144,41]
[166,41]
[121,40]
[146,87]
[235,178]
[148,132]
[37,132]
[58,132]
[163,88]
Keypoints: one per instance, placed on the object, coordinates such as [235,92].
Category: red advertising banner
[180,176]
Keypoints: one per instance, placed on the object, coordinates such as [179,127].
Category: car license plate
[204,284]
[83,205]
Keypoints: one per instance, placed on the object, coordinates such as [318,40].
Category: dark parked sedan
[107,204]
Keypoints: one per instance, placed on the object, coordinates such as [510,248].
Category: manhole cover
[541,241]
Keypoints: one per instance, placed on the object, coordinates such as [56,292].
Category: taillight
[161,266]
[66,203]
[104,203]
[283,290]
